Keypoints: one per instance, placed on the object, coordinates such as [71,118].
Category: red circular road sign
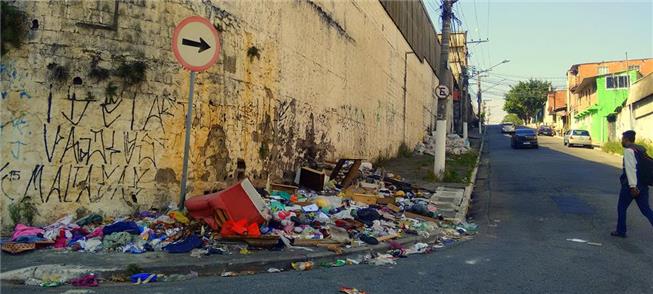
[196,43]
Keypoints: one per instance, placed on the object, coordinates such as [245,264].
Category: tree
[513,118]
[526,98]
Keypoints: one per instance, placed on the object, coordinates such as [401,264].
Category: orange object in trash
[240,228]
[238,202]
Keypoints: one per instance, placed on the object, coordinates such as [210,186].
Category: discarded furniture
[344,177]
[238,202]
[312,179]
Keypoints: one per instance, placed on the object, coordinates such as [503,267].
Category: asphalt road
[528,203]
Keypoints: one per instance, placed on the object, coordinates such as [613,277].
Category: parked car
[546,131]
[524,138]
[578,137]
[507,127]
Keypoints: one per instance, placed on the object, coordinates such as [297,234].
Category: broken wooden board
[388,237]
[350,175]
[420,217]
[393,207]
[284,188]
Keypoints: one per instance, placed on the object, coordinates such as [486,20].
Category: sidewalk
[42,264]
[67,264]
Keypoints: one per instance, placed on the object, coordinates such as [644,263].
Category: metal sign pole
[189,113]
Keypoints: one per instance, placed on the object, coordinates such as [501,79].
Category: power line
[478,26]
[488,31]
[530,77]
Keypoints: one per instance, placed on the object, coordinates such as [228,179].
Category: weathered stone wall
[327,82]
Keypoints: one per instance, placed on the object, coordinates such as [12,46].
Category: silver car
[578,137]
[508,128]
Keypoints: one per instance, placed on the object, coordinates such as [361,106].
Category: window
[603,70]
[617,82]
[633,67]
[581,133]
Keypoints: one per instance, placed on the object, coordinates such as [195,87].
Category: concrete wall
[327,83]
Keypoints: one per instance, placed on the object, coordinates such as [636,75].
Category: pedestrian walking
[633,186]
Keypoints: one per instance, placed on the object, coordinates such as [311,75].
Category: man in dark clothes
[632,188]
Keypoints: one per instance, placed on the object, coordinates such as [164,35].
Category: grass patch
[381,161]
[430,176]
[458,168]
[451,176]
[616,148]
[613,147]
[404,151]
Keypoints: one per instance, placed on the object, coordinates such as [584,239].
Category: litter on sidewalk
[356,206]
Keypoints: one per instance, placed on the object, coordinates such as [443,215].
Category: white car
[508,127]
[578,138]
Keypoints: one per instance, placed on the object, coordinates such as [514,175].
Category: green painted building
[603,95]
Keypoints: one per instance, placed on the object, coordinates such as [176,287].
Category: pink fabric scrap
[23,230]
[96,233]
[61,240]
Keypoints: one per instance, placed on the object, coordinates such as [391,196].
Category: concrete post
[465,131]
[440,147]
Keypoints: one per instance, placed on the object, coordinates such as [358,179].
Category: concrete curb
[469,189]
[204,268]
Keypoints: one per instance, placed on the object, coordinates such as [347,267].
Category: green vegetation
[404,151]
[23,211]
[526,98]
[458,168]
[14,27]
[615,147]
[430,176]
[513,118]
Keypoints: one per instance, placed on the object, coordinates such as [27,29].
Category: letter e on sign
[196,43]
[442,91]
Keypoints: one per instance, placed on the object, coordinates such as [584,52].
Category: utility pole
[478,99]
[443,105]
[463,104]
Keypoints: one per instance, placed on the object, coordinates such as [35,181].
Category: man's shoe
[617,234]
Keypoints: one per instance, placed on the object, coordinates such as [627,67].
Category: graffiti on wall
[90,149]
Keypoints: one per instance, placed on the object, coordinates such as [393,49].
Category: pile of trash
[356,205]
[455,145]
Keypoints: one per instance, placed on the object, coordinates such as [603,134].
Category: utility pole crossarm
[478,41]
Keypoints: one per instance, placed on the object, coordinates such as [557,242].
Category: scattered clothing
[184,246]
[129,227]
[85,281]
[23,230]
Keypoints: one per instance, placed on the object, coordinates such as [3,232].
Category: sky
[542,39]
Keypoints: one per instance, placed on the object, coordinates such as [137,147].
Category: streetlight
[478,82]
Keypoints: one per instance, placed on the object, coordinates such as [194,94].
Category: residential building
[600,98]
[637,114]
[555,109]
[578,72]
